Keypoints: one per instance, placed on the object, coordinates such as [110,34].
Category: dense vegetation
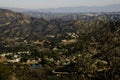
[85,48]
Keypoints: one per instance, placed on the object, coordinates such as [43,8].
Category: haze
[42,4]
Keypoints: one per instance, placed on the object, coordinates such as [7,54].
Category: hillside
[64,48]
[16,26]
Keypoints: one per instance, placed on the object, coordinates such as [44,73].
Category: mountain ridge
[106,8]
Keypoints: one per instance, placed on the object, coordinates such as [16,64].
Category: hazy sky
[41,4]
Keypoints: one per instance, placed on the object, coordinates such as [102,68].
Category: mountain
[65,48]
[16,26]
[106,8]
[20,29]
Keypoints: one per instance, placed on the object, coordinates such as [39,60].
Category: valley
[66,46]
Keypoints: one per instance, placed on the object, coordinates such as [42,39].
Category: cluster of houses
[13,57]
[63,60]
[16,58]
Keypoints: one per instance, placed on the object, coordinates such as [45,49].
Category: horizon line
[58,7]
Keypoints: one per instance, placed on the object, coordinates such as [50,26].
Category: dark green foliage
[5,71]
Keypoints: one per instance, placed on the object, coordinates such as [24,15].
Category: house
[24,52]
[6,54]
[14,60]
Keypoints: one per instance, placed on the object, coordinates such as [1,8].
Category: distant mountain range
[107,8]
